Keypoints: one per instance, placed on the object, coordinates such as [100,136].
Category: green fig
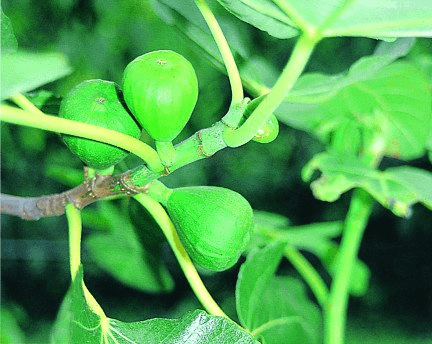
[214,224]
[269,130]
[161,90]
[97,102]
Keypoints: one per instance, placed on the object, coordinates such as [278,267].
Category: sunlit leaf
[265,300]
[195,327]
[77,322]
[396,188]
[24,71]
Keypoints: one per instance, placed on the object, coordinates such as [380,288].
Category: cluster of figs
[158,94]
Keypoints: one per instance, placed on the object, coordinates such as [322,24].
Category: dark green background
[100,37]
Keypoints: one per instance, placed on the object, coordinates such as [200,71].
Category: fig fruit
[97,102]
[269,130]
[161,90]
[214,224]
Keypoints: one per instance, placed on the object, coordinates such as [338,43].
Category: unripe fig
[97,102]
[269,130]
[214,224]
[161,90]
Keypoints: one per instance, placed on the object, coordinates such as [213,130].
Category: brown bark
[91,190]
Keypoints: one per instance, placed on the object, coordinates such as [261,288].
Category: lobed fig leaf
[97,102]
[269,130]
[214,224]
[161,90]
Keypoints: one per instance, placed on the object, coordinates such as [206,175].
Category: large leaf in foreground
[24,71]
[396,188]
[275,307]
[78,323]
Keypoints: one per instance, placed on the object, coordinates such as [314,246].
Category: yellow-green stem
[303,267]
[56,124]
[295,66]
[309,274]
[355,224]
[25,104]
[198,287]
[73,216]
[224,49]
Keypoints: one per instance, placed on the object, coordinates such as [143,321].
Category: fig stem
[355,224]
[25,104]
[356,220]
[197,285]
[73,216]
[56,124]
[166,152]
[158,191]
[224,49]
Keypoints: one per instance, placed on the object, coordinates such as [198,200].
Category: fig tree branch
[202,144]
[91,190]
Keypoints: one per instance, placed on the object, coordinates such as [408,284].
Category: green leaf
[360,274]
[119,252]
[264,15]
[318,87]
[396,188]
[264,301]
[77,323]
[393,101]
[65,175]
[195,327]
[9,43]
[24,71]
[368,18]
[186,17]
[11,331]
[316,238]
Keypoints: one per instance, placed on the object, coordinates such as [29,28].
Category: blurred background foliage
[100,37]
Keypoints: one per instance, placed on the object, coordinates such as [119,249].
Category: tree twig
[91,190]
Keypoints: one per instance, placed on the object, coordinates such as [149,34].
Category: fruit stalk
[295,66]
[17,116]
[224,49]
[198,287]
